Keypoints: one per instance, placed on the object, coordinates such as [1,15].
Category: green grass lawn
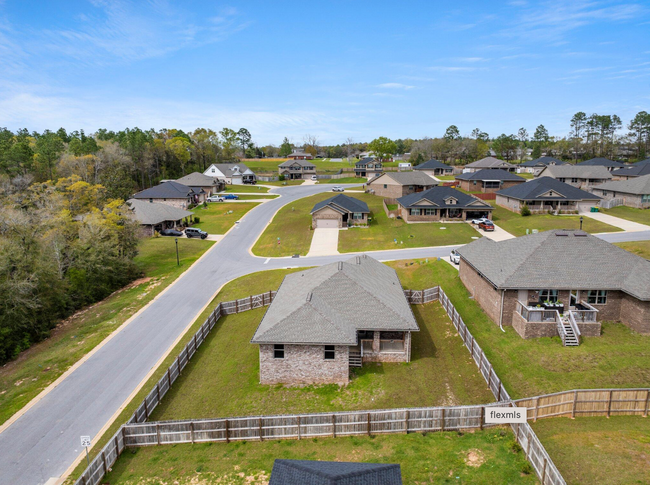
[482,457]
[292,225]
[22,379]
[642,216]
[218,217]
[527,175]
[279,183]
[344,180]
[238,189]
[446,178]
[590,450]
[642,248]
[516,225]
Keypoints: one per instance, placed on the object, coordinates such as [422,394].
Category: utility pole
[178,261]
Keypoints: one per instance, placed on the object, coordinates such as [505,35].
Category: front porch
[381,346]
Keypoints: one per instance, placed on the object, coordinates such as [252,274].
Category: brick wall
[635,314]
[528,330]
[180,203]
[326,213]
[482,291]
[304,364]
[377,356]
[391,191]
[630,200]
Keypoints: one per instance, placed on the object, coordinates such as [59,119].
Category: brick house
[398,184]
[153,216]
[441,204]
[602,162]
[297,169]
[172,193]
[339,211]
[434,167]
[581,176]
[489,163]
[488,181]
[546,194]
[199,181]
[521,282]
[639,169]
[326,319]
[300,154]
[634,192]
[368,167]
[534,166]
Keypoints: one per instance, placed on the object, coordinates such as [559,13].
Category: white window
[430,212]
[548,295]
[645,198]
[415,212]
[597,297]
[357,215]
[278,351]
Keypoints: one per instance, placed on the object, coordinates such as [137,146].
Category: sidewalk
[627,226]
[499,234]
[324,242]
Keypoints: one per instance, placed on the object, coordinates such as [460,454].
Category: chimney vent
[340,265]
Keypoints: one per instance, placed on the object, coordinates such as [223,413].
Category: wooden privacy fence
[259,428]
[587,402]
[537,455]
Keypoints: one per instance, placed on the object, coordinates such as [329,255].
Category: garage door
[327,223]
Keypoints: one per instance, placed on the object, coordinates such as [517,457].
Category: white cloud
[395,86]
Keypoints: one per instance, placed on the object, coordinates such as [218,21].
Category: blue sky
[333,69]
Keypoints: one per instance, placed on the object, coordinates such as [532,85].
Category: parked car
[338,188]
[195,232]
[171,232]
[249,181]
[479,220]
[215,198]
[454,257]
[314,177]
[231,197]
[486,226]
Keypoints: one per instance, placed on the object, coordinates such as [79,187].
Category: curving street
[44,442]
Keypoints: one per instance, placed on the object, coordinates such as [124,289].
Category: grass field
[22,379]
[588,450]
[292,225]
[482,457]
[527,175]
[218,217]
[344,180]
[446,178]
[642,248]
[516,224]
[245,189]
[322,165]
[642,216]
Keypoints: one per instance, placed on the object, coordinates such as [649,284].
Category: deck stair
[355,359]
[567,332]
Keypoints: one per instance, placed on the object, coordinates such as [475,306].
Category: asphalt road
[44,442]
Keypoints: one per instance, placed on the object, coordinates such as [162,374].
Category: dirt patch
[474,458]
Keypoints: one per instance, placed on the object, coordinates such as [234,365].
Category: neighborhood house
[637,170]
[397,184]
[324,320]
[231,173]
[300,154]
[558,282]
[297,169]
[488,181]
[602,162]
[198,181]
[339,211]
[172,193]
[441,204]
[546,194]
[489,163]
[434,167]
[582,177]
[368,167]
[633,193]
[154,216]
[534,166]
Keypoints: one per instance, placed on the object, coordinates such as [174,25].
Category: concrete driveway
[627,226]
[499,234]
[324,242]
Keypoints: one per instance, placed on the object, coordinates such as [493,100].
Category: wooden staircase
[568,335]
[355,359]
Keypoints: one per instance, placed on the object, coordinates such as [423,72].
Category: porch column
[375,342]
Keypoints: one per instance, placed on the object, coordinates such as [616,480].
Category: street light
[581,223]
[178,261]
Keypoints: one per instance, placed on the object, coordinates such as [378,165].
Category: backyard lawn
[218,217]
[292,225]
[446,177]
[516,224]
[239,189]
[344,180]
[481,457]
[22,379]
[642,216]
[588,450]
[642,248]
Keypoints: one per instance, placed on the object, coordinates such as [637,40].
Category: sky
[333,69]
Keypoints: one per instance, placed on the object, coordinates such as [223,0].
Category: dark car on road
[486,226]
[171,232]
[195,232]
[231,196]
[251,182]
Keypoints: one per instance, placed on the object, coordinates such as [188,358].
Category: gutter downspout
[503,292]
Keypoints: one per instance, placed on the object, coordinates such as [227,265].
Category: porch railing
[586,315]
[536,314]
[391,346]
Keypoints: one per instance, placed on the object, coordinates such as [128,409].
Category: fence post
[250,300]
[158,432]
[227,437]
[236,306]
[104,462]
[536,408]
[544,472]
[158,391]
[472,349]
[194,342]
[609,404]
[261,431]
[123,437]
[528,443]
[334,425]
[192,431]
[368,424]
[169,378]
[406,422]
[146,409]
[575,403]
[298,427]
[442,420]
[117,447]
[647,400]
[480,425]
[498,390]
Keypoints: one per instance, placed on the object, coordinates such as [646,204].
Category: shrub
[527,468]
[205,204]
[281,178]
[525,210]
[515,447]
[197,219]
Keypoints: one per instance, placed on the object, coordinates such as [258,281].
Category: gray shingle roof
[576,171]
[196,179]
[365,161]
[439,195]
[602,162]
[535,190]
[542,161]
[167,190]
[302,163]
[328,304]
[491,174]
[432,164]
[489,162]
[305,472]
[636,170]
[228,169]
[407,178]
[152,213]
[638,185]
[550,261]
[349,204]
